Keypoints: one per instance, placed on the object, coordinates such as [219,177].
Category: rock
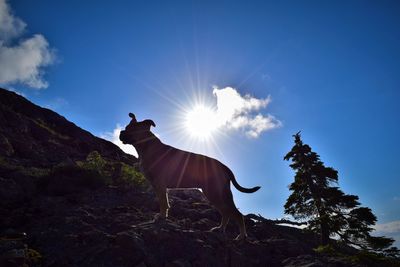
[10,192]
[5,146]
[34,136]
[27,185]
[109,227]
[13,248]
[317,261]
[178,263]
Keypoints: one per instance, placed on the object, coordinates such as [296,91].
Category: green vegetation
[28,171]
[362,257]
[66,179]
[327,249]
[43,124]
[130,175]
[330,212]
[6,165]
[94,161]
[367,258]
[33,256]
[114,173]
[92,173]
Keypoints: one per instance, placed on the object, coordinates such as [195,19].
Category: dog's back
[182,169]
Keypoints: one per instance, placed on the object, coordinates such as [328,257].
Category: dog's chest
[141,165]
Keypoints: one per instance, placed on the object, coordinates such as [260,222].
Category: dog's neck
[147,146]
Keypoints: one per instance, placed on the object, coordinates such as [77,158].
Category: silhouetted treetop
[317,198]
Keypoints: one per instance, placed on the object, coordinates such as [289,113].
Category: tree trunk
[321,212]
[324,234]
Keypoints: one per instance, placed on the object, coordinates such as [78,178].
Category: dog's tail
[239,187]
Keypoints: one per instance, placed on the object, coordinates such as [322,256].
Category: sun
[200,122]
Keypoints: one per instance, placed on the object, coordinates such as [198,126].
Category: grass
[42,124]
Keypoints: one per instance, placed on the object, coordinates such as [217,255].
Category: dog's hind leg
[163,201]
[216,201]
[238,217]
[235,214]
[224,223]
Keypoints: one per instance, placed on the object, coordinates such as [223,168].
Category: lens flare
[201,122]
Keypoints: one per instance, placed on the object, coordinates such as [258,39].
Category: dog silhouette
[168,167]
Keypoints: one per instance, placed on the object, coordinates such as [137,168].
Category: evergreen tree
[330,212]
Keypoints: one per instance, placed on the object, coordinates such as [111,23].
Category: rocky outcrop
[34,136]
[114,226]
[34,139]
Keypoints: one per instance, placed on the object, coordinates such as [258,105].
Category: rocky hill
[59,207]
[34,136]
[113,226]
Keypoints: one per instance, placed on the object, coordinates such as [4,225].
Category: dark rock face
[34,136]
[114,227]
[35,139]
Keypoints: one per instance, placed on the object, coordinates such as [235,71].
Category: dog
[168,167]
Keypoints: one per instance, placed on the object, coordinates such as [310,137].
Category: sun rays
[197,115]
[201,122]
[193,125]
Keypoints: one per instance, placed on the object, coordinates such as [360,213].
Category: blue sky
[331,69]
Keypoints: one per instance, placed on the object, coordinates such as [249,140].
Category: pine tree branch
[259,218]
[349,242]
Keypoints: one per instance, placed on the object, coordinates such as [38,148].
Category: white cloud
[388,228]
[114,138]
[24,61]
[10,26]
[235,111]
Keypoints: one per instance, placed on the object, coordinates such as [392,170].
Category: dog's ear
[150,123]
[133,117]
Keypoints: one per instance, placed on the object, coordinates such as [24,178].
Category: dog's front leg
[163,201]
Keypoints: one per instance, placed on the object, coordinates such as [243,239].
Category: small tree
[330,212]
[95,161]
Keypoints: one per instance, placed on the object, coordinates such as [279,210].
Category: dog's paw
[240,238]
[215,229]
[159,218]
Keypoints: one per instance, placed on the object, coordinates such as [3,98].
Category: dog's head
[137,132]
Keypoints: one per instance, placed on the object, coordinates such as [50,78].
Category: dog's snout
[122,135]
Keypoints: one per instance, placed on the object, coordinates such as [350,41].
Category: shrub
[327,249]
[67,179]
[91,174]
[367,258]
[132,176]
[114,172]
[33,256]
[94,161]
